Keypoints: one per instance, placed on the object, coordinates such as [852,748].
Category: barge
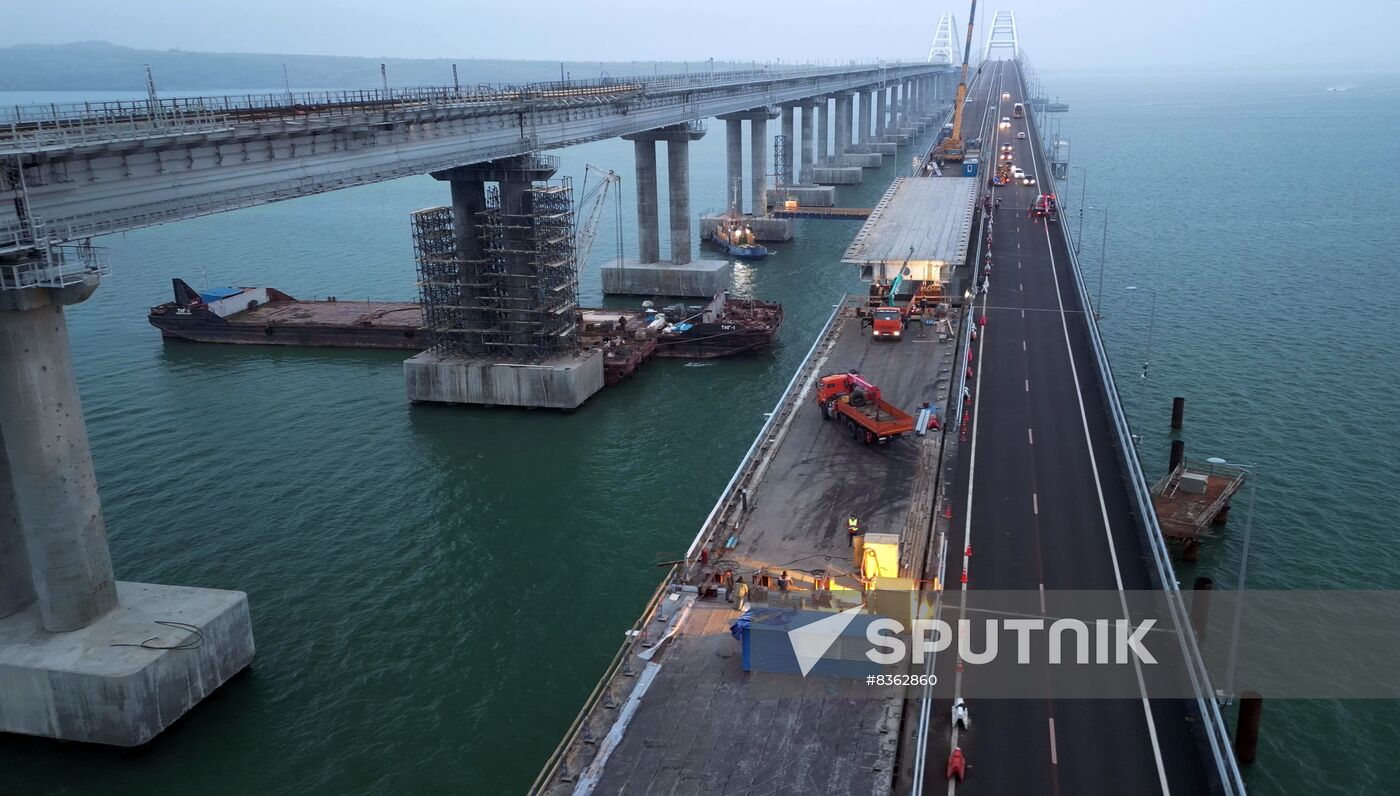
[266,316]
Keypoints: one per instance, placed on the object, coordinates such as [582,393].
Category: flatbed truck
[858,406]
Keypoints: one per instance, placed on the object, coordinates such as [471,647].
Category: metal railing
[55,266]
[1217,730]
[29,127]
[707,529]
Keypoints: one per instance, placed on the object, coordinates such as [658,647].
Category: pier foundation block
[806,195]
[864,160]
[695,279]
[836,175]
[79,686]
[768,230]
[560,383]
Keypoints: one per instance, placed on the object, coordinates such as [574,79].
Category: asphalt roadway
[1049,509]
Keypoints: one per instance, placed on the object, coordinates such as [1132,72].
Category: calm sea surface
[435,590]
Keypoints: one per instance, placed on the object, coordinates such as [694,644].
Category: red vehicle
[1045,206]
[889,321]
[857,404]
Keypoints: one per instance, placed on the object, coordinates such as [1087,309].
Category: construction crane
[952,146]
[591,202]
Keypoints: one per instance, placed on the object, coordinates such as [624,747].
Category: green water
[435,590]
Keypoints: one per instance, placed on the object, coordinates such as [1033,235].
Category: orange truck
[857,405]
[889,321]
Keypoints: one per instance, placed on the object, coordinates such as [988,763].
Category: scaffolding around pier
[516,295]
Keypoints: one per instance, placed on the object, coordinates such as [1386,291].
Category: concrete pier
[765,228]
[679,276]
[804,172]
[678,198]
[648,232]
[758,165]
[804,195]
[733,163]
[882,111]
[72,661]
[843,122]
[791,144]
[823,135]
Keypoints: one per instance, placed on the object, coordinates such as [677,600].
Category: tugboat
[735,237]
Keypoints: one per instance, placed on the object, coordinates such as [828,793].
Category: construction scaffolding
[515,298]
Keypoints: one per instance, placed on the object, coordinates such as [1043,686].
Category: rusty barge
[725,326]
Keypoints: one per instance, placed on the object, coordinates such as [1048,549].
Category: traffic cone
[967,551]
[947,511]
[964,575]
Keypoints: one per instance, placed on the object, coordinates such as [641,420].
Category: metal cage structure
[517,298]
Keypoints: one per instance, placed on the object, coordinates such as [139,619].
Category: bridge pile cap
[928,216]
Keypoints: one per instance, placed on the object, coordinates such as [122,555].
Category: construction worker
[741,594]
[852,530]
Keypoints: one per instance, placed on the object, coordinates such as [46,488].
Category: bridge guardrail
[28,127]
[726,499]
[1218,731]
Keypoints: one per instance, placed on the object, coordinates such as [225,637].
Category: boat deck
[695,727]
[380,314]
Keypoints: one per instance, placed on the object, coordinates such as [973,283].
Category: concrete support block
[734,164]
[843,123]
[98,684]
[863,118]
[699,279]
[862,160]
[882,110]
[648,224]
[563,382]
[766,229]
[55,489]
[758,162]
[823,131]
[678,176]
[805,195]
[836,175]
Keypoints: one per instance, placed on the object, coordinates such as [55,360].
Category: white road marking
[1035,503]
[1023,345]
[1042,599]
[1028,381]
[1030,436]
[1103,513]
[1054,759]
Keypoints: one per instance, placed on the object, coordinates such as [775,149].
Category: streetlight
[1253,474]
[1103,256]
[1082,186]
[1147,359]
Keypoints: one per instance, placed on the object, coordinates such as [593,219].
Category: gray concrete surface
[696,279]
[837,175]
[678,199]
[98,684]
[51,472]
[806,195]
[561,383]
[765,229]
[648,222]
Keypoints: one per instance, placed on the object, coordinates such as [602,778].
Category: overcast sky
[1057,34]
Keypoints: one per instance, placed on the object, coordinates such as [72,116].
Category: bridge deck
[697,728]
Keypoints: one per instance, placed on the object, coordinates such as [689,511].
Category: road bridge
[1045,493]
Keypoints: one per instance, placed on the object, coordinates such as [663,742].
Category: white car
[1021,134]
[1027,179]
[1018,172]
[1006,122]
[1006,95]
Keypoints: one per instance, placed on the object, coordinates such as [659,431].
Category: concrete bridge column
[678,176]
[843,124]
[823,130]
[758,161]
[63,676]
[881,112]
[863,118]
[734,164]
[804,173]
[791,144]
[648,233]
[50,465]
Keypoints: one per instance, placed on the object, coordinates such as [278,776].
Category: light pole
[1147,359]
[1103,257]
[1253,475]
[1082,186]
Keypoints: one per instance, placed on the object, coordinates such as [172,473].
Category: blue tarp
[212,294]
[684,327]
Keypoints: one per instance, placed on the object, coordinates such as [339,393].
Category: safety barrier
[1217,731]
